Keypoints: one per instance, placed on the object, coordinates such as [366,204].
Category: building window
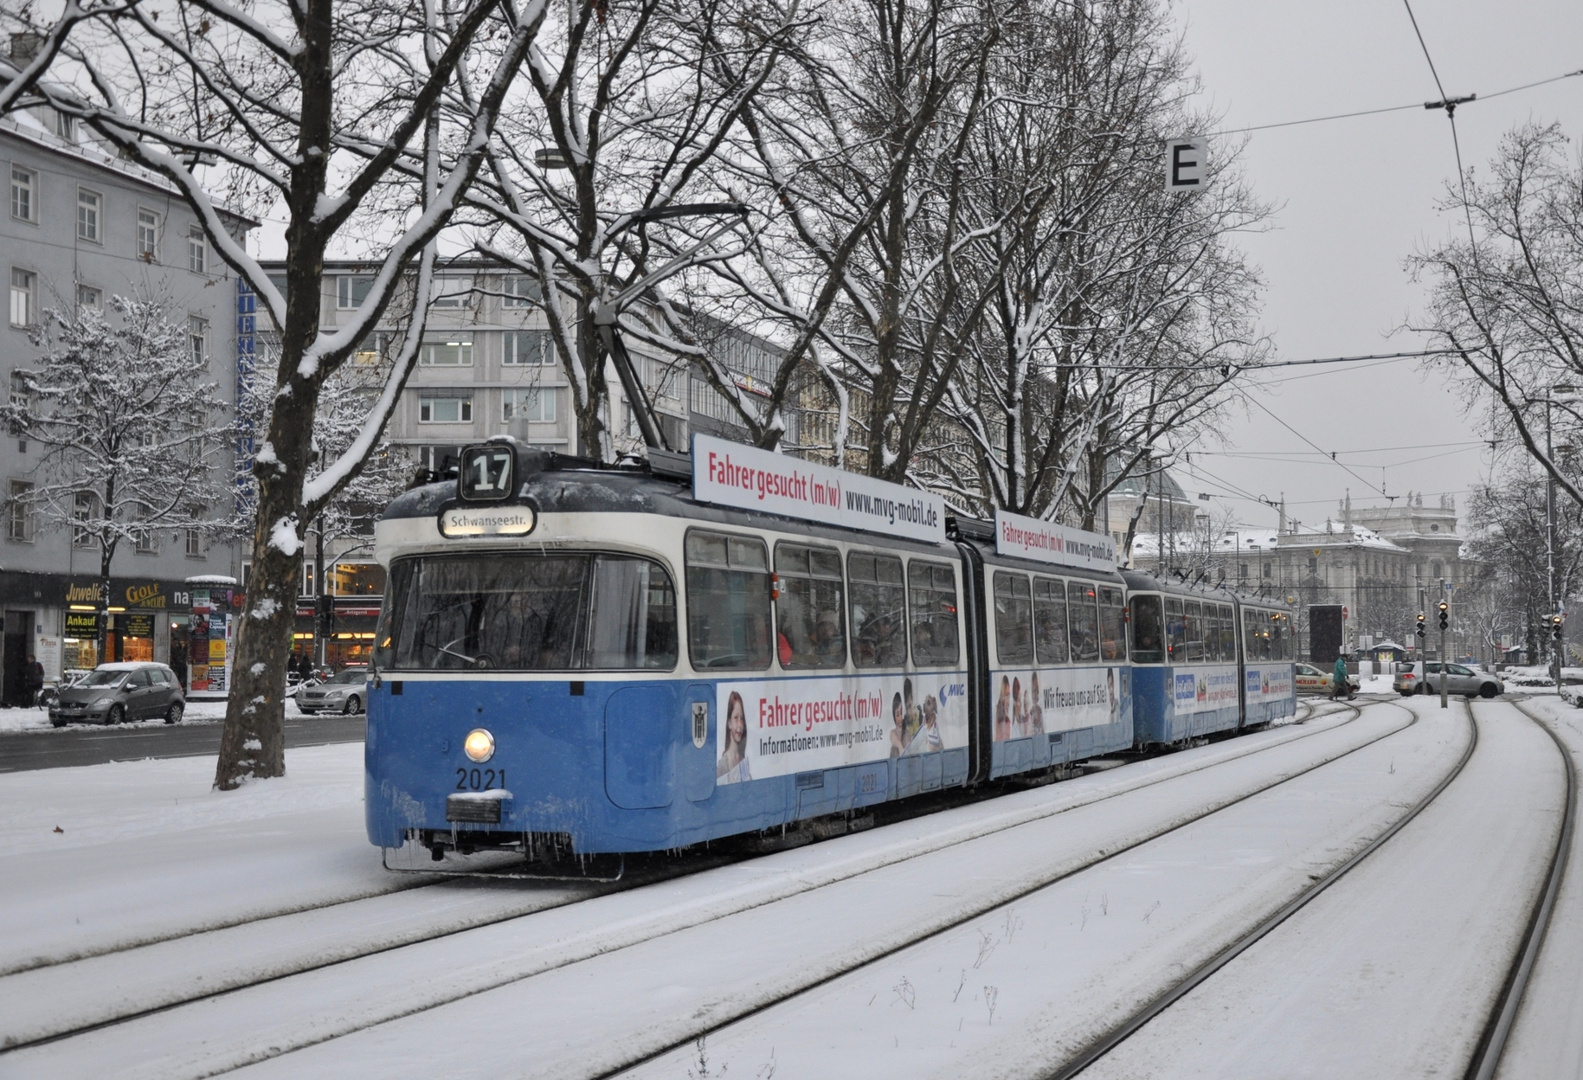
[458,353]
[197,250]
[522,291]
[1313,565]
[82,512]
[452,293]
[144,542]
[192,542]
[530,347]
[147,234]
[90,204]
[1435,569]
[445,410]
[1267,569]
[66,127]
[529,403]
[24,297]
[439,459]
[24,194]
[88,297]
[1242,570]
[19,513]
[198,340]
[350,292]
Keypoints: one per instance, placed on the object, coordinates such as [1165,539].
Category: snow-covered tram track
[33,1012]
[1414,966]
[177,967]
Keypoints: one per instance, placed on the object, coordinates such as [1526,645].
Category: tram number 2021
[479,779]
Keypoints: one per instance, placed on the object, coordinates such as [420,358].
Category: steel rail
[1129,1027]
[978,911]
[1492,1043]
[596,889]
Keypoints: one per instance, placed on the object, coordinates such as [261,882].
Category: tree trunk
[254,742]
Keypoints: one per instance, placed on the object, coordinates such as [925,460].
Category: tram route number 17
[486,472]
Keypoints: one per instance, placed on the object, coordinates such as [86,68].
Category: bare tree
[135,439]
[343,117]
[633,103]
[1122,313]
[1507,301]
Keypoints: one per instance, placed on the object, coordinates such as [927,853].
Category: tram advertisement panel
[1269,682]
[1033,701]
[1205,689]
[778,727]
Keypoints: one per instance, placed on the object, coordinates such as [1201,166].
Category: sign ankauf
[730,474]
[1047,542]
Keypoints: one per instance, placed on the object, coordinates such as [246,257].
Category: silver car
[1462,679]
[111,693]
[343,692]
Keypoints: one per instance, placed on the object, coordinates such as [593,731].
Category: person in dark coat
[32,678]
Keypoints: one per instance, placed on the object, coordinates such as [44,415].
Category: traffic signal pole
[1445,621]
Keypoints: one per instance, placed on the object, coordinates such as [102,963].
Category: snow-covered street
[174,931]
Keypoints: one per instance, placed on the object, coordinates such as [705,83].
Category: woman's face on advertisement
[736,723]
[898,713]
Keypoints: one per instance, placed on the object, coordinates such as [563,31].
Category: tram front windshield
[528,612]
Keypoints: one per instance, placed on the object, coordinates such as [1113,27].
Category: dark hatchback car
[112,693]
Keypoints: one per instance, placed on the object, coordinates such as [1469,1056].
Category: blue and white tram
[586,659]
[1204,661]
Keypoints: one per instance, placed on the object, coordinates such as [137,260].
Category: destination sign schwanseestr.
[1047,542]
[730,474]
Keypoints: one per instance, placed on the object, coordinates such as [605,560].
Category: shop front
[138,619]
[348,639]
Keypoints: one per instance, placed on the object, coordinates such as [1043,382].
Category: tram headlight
[479,745]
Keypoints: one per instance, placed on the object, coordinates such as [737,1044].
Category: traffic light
[1420,630]
[1555,626]
[1445,614]
[326,614]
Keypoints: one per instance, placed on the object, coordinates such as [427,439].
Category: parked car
[343,692]
[112,693]
[1310,680]
[1466,680]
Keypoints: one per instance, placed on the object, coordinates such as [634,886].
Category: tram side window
[1256,634]
[810,611]
[933,605]
[521,613]
[1193,621]
[1049,621]
[1228,634]
[1112,625]
[879,610]
[1175,633]
[1212,633]
[1013,619]
[632,623]
[1084,615]
[1280,640]
[1148,635]
[728,601]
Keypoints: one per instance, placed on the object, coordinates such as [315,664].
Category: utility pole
[1550,548]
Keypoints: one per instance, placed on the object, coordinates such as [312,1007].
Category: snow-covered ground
[257,929]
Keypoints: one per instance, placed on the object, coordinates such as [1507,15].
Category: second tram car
[582,659]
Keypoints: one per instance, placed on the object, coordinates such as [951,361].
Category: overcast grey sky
[1353,199]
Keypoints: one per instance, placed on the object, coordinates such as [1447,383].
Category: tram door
[18,639]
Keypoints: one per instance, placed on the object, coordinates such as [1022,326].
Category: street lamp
[1558,392]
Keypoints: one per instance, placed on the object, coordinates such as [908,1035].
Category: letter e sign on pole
[1186,164]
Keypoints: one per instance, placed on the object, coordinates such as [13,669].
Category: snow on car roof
[127,665]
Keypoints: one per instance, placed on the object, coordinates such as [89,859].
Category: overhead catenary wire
[1392,108]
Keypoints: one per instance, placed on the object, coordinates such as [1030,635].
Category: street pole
[320,645]
[1550,546]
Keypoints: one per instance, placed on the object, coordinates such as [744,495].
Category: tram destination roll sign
[730,474]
